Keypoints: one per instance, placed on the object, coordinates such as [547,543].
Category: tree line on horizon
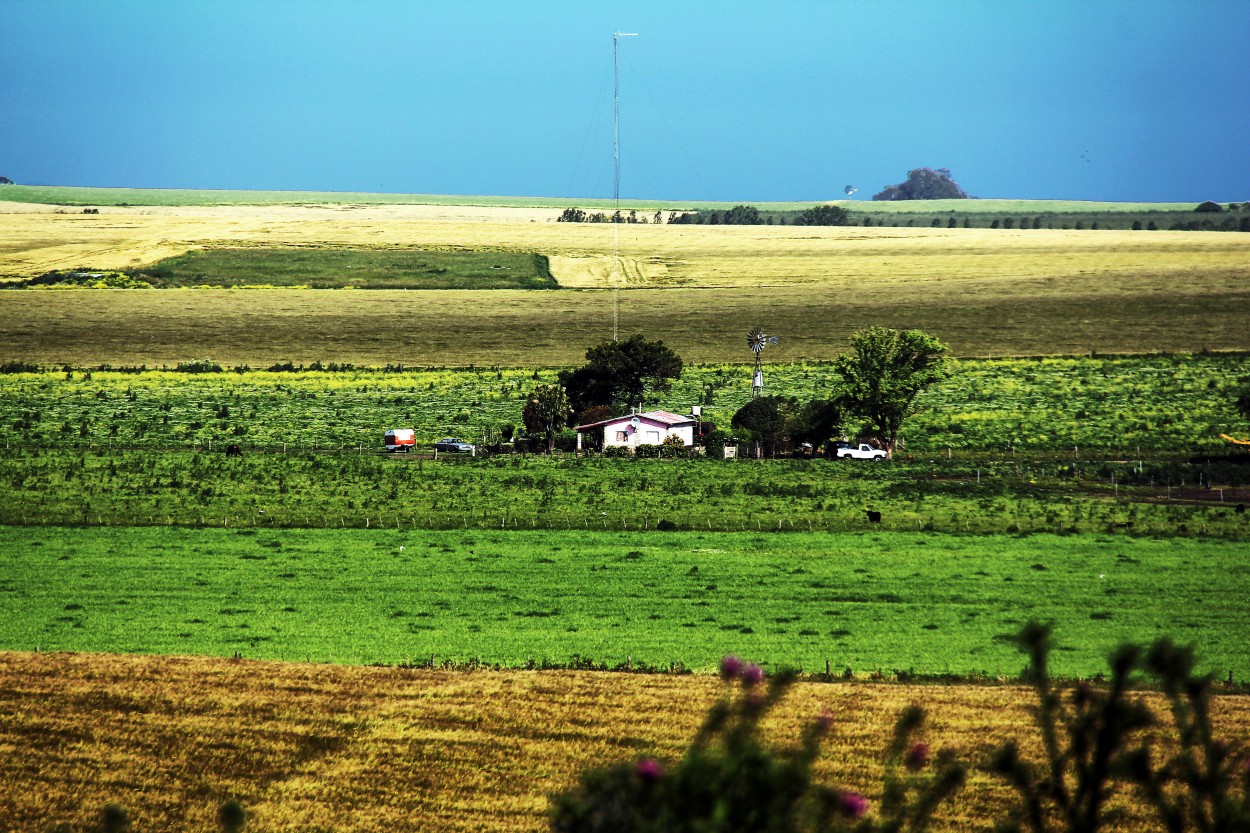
[739,215]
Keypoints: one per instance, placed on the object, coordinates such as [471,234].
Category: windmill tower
[757,341]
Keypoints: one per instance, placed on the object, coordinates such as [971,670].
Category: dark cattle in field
[874,517]
[234,451]
[1241,509]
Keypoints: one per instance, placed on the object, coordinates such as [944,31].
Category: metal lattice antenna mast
[616,180]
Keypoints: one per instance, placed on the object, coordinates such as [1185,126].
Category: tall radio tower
[616,180]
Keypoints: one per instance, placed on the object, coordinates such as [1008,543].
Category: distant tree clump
[577,215]
[1209,207]
[749,215]
[823,215]
[924,184]
[739,215]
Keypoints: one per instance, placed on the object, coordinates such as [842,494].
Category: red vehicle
[400,439]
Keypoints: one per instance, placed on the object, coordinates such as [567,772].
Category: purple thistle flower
[852,805]
[916,757]
[649,770]
[730,667]
[751,674]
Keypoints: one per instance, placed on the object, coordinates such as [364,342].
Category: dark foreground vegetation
[1097,742]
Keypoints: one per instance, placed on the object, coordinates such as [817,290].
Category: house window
[653,437]
[622,437]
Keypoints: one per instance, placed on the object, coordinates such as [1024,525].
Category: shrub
[1095,740]
[715,442]
[731,780]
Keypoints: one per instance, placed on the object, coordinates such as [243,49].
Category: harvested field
[697,287]
[553,328]
[35,239]
[313,747]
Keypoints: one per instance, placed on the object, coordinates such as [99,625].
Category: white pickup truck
[861,452]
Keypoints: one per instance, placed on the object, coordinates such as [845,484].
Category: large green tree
[884,373]
[622,373]
[816,422]
[545,413]
[764,420]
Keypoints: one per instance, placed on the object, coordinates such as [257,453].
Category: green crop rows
[1170,404]
[358,490]
[930,604]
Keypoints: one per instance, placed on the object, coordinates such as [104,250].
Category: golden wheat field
[985,292]
[35,239]
[315,747]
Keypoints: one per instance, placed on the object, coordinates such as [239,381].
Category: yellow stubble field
[986,292]
[317,747]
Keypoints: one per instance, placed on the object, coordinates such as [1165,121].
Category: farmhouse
[650,428]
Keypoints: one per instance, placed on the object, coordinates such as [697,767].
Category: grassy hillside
[83,196]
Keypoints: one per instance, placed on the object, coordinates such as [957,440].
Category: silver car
[454,444]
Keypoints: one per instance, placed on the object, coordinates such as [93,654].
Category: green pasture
[77,195]
[1175,405]
[339,267]
[888,602]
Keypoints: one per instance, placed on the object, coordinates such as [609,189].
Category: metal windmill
[757,341]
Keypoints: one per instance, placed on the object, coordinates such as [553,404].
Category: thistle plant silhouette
[1097,739]
[730,781]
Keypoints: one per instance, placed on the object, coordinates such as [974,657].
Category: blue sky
[741,101]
